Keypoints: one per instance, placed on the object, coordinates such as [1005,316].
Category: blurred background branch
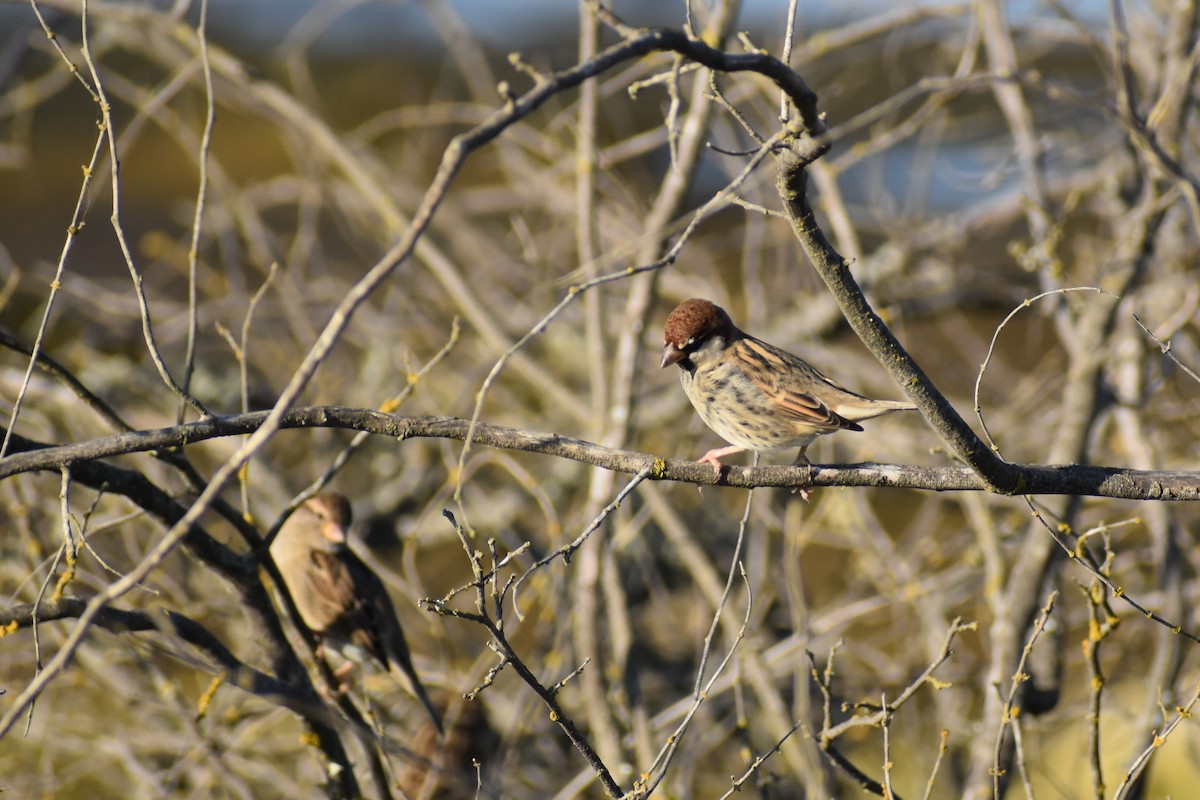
[276,172]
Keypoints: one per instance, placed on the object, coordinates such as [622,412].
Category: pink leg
[714,456]
[339,674]
[802,461]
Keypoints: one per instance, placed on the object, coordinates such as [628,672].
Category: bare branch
[1080,480]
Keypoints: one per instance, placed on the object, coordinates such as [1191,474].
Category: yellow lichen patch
[207,698]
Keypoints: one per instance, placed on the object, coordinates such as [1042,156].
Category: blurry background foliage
[331,119]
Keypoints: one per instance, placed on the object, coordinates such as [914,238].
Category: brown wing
[342,593]
[382,634]
[789,382]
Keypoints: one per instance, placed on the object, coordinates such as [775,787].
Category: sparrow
[340,598]
[752,394]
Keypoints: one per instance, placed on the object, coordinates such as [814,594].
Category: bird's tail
[417,690]
[867,408]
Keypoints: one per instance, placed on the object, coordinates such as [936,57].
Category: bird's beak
[671,355]
[334,532]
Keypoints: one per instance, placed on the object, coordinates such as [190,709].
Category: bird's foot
[709,458]
[715,455]
[332,693]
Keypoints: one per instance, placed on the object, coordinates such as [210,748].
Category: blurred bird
[752,394]
[338,596]
[456,766]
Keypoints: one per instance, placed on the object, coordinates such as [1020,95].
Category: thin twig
[1018,679]
[508,655]
[118,228]
[658,768]
[943,737]
[1165,349]
[992,349]
[738,783]
[210,115]
[73,229]
[657,771]
[1128,780]
[568,550]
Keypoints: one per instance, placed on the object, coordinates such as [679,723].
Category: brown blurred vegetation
[956,191]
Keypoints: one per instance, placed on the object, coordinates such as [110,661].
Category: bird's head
[332,516]
[695,325]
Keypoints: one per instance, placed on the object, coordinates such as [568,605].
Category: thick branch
[999,475]
[123,621]
[1092,481]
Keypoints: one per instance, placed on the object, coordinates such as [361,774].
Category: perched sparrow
[338,596]
[754,395]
